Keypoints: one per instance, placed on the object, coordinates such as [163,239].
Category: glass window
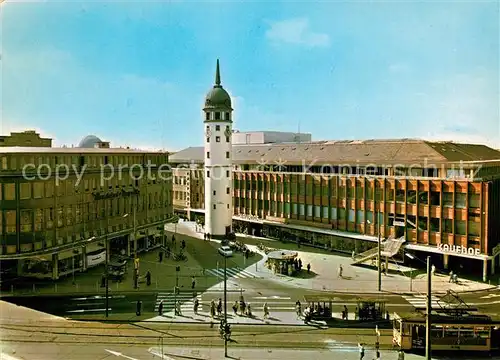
[448,199]
[286,208]
[9,191]
[25,190]
[351,215]
[309,210]
[10,221]
[360,216]
[294,209]
[341,214]
[38,219]
[459,227]
[474,201]
[26,221]
[460,200]
[317,211]
[217,127]
[38,190]
[60,216]
[325,212]
[333,213]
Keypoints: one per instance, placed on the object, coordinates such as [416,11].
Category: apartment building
[442,197]
[65,209]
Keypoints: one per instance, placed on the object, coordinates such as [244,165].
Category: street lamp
[379,268]
[410,256]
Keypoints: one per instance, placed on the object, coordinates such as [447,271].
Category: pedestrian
[433,269]
[353,254]
[193,282]
[103,281]
[179,308]
[346,311]
[361,351]
[401,355]
[183,244]
[138,308]
[148,278]
[160,308]
[235,307]
[451,277]
[340,271]
[308,268]
[377,355]
[160,256]
[196,305]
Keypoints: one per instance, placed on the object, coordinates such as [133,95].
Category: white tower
[218,161]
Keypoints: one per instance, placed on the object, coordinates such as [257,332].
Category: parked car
[226,251]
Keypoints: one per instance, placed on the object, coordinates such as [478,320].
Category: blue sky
[136,73]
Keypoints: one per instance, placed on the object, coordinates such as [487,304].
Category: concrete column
[55,266]
[84,258]
[485,270]
[107,250]
[493,263]
[445,261]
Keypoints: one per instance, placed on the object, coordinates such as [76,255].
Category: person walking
[160,256]
[308,268]
[193,282]
[341,270]
[196,305]
[433,269]
[148,278]
[160,308]
[138,308]
[361,351]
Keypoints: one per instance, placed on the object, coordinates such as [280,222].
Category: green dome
[217,97]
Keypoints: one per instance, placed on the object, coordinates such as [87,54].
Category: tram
[465,332]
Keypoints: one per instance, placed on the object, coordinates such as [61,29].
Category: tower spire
[217,74]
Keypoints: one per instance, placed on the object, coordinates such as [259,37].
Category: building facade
[443,198]
[64,209]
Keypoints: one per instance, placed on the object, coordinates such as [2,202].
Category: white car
[226,251]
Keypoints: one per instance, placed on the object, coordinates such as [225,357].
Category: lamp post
[379,250]
[428,321]
[225,305]
[410,256]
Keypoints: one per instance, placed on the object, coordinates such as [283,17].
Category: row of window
[228,156]
[46,219]
[217,115]
[47,189]
[228,173]
[376,194]
[359,217]
[18,162]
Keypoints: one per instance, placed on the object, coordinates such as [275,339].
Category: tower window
[217,127]
[208,154]
[208,139]
[227,154]
[214,206]
[227,190]
[217,115]
[227,139]
[207,116]
[215,193]
[208,127]
[228,174]
[228,116]
[228,206]
[208,174]
[217,138]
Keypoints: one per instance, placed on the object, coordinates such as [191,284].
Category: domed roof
[217,97]
[89,141]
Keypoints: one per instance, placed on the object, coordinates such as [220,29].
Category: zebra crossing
[236,273]
[420,301]
[169,299]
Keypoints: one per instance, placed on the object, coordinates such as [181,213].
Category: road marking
[272,297]
[87,310]
[490,296]
[231,273]
[154,352]
[421,300]
[4,356]
[119,354]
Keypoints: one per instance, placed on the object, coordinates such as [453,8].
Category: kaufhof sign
[456,249]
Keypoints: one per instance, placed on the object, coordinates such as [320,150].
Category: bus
[449,331]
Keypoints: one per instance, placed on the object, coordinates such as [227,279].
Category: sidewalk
[356,279]
[335,351]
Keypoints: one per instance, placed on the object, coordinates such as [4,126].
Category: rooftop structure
[26,138]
